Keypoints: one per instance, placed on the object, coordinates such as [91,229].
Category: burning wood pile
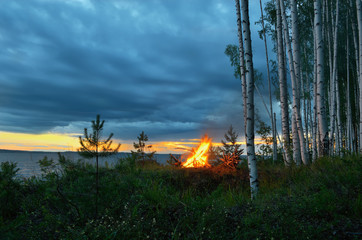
[198,158]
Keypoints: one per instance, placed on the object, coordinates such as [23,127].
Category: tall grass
[320,201]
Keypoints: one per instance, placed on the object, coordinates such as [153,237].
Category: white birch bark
[296,63]
[283,87]
[305,111]
[359,20]
[296,143]
[296,49]
[321,104]
[241,60]
[335,79]
[249,74]
[306,121]
[354,128]
[335,94]
[332,90]
[349,113]
[355,40]
[315,122]
[311,123]
[296,108]
[339,123]
[316,149]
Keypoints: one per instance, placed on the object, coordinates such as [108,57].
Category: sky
[156,66]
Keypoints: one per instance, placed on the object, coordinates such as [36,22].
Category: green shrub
[141,202]
[10,190]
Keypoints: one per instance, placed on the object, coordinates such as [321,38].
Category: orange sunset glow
[52,142]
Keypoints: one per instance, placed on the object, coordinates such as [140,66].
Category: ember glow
[199,155]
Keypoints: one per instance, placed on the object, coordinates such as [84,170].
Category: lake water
[28,161]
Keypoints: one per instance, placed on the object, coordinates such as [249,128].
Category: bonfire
[198,158]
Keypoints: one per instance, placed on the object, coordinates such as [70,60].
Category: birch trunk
[315,124]
[296,108]
[359,19]
[354,128]
[335,99]
[335,79]
[296,49]
[315,152]
[355,131]
[311,123]
[296,143]
[316,148]
[241,58]
[305,110]
[339,123]
[283,87]
[332,90]
[355,40]
[296,64]
[349,113]
[321,104]
[249,74]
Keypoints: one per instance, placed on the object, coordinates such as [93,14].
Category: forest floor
[147,201]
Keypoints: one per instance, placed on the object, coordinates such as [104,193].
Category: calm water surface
[28,161]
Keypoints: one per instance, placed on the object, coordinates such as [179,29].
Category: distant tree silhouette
[141,147]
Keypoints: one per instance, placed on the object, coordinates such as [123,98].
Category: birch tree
[296,107]
[356,54]
[359,20]
[316,149]
[296,48]
[249,75]
[283,86]
[334,89]
[320,101]
[241,60]
[349,113]
[315,115]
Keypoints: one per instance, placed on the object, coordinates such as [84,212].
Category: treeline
[318,45]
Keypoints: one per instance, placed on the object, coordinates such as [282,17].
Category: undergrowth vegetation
[148,201]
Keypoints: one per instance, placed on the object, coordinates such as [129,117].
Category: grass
[147,201]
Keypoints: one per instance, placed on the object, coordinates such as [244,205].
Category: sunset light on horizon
[52,142]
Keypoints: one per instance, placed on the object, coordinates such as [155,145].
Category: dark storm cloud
[157,66]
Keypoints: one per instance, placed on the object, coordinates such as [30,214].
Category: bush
[10,188]
[319,201]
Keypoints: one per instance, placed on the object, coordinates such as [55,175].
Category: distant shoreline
[39,151]
[28,151]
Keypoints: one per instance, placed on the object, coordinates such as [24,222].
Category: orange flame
[199,156]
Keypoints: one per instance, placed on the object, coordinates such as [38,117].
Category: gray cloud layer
[157,66]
